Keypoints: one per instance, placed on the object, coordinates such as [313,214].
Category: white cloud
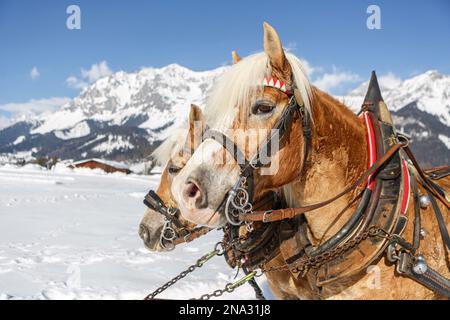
[389,80]
[96,71]
[34,73]
[335,79]
[4,122]
[75,83]
[309,69]
[291,46]
[35,106]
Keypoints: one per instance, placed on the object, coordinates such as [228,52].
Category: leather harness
[390,178]
[383,205]
[173,232]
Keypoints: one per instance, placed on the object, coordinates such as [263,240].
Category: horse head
[155,230]
[251,99]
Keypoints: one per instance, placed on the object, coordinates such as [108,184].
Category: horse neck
[338,156]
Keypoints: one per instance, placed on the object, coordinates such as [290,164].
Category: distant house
[105,165]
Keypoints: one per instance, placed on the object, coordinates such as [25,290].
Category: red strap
[371,146]
[406,187]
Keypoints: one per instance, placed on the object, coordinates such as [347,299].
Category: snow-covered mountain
[420,108]
[124,116]
[119,117]
[430,92]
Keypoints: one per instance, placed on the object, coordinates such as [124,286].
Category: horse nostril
[194,195]
[191,190]
[144,233]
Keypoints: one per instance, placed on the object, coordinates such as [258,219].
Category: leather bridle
[239,200]
[173,231]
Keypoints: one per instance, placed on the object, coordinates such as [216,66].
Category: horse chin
[150,229]
[204,217]
[154,248]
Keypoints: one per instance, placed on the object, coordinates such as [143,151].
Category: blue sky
[126,35]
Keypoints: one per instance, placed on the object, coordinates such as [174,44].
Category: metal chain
[304,264]
[219,250]
[200,262]
[230,287]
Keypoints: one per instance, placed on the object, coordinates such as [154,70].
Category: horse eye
[262,107]
[173,169]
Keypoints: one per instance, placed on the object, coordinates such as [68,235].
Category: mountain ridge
[124,116]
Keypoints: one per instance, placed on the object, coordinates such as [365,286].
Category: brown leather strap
[288,213]
[192,235]
[425,182]
[264,201]
[436,169]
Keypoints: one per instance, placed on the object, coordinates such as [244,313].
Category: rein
[289,213]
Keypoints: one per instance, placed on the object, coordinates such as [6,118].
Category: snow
[79,130]
[99,137]
[445,139]
[59,120]
[431,91]
[163,94]
[158,100]
[72,234]
[113,143]
[19,140]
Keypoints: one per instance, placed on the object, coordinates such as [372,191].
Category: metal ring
[248,208]
[172,211]
[228,212]
[243,200]
[254,161]
[220,251]
[168,233]
[165,246]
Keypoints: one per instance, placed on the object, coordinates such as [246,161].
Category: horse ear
[196,126]
[274,50]
[235,56]
[195,116]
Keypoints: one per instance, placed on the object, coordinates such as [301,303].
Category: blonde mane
[239,84]
[170,146]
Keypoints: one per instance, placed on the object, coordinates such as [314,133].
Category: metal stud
[423,233]
[424,201]
[420,266]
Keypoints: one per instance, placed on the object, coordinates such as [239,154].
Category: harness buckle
[264,219]
[404,263]
[186,236]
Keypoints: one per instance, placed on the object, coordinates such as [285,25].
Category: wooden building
[105,165]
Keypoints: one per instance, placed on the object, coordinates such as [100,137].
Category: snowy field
[68,234]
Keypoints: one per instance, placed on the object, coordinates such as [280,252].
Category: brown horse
[174,153]
[337,156]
